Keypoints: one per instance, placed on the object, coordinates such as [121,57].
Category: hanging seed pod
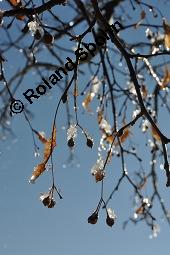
[71,135]
[37,35]
[93,218]
[110,221]
[45,199]
[48,38]
[52,203]
[70,142]
[89,142]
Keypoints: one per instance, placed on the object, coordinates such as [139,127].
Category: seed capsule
[93,218]
[89,142]
[37,35]
[70,142]
[110,221]
[48,38]
[52,203]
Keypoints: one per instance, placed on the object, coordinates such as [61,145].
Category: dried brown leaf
[166,78]
[144,91]
[142,185]
[49,145]
[155,134]
[76,92]
[167,34]
[124,136]
[38,170]
[99,116]
[143,14]
[140,210]
[110,138]
[14,2]
[142,17]
[86,102]
[20,17]
[40,136]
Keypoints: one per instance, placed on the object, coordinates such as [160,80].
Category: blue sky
[26,226]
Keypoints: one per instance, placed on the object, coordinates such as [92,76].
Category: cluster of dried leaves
[120,92]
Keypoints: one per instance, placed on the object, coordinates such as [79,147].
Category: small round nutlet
[52,203]
[70,142]
[110,221]
[89,142]
[37,35]
[93,218]
[46,201]
[48,38]
[120,133]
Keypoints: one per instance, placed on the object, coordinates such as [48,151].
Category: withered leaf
[143,14]
[20,17]
[49,145]
[140,210]
[166,27]
[15,2]
[166,78]
[144,91]
[86,102]
[142,185]
[95,87]
[142,17]
[40,136]
[105,127]
[76,92]
[99,116]
[110,138]
[38,170]
[124,136]
[155,134]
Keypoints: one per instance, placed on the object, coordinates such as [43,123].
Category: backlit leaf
[14,2]
[95,86]
[143,183]
[144,91]
[167,34]
[124,136]
[20,17]
[87,100]
[49,145]
[40,136]
[166,78]
[140,210]
[142,17]
[155,134]
[38,170]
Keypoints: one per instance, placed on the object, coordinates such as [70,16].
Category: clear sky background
[29,228]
